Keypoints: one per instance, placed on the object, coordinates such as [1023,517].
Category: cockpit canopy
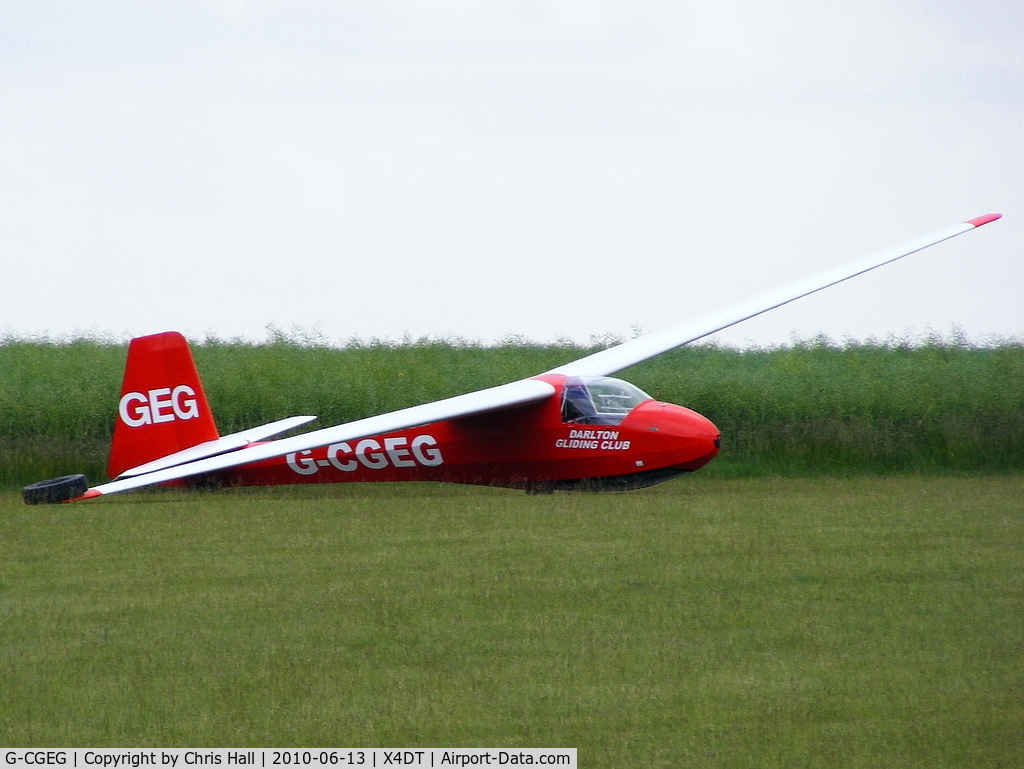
[599,400]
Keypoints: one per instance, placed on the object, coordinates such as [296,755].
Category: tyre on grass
[55,490]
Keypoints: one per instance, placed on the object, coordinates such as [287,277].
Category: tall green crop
[810,407]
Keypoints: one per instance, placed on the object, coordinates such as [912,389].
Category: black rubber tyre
[55,490]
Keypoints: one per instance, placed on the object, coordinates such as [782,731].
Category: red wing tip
[88,495]
[978,221]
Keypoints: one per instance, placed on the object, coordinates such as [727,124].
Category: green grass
[706,622]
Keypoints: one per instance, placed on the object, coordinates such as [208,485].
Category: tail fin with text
[163,408]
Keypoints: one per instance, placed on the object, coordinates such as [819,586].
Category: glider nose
[694,438]
[704,437]
[680,438]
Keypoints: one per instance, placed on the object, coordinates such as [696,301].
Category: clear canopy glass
[599,400]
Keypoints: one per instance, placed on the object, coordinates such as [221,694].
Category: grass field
[863,622]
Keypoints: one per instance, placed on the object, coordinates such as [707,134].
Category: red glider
[573,427]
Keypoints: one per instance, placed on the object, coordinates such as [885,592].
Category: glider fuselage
[538,447]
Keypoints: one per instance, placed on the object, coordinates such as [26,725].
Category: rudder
[162,408]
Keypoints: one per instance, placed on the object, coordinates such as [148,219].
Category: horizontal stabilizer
[221,445]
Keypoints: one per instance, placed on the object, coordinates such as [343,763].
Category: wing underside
[642,348]
[518,393]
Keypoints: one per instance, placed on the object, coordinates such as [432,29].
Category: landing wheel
[55,490]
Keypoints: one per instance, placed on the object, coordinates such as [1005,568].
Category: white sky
[511,168]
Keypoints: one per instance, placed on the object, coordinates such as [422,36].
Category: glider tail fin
[163,408]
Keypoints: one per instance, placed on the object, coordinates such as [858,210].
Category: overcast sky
[490,170]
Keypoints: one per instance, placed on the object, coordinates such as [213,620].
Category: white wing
[642,348]
[504,396]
